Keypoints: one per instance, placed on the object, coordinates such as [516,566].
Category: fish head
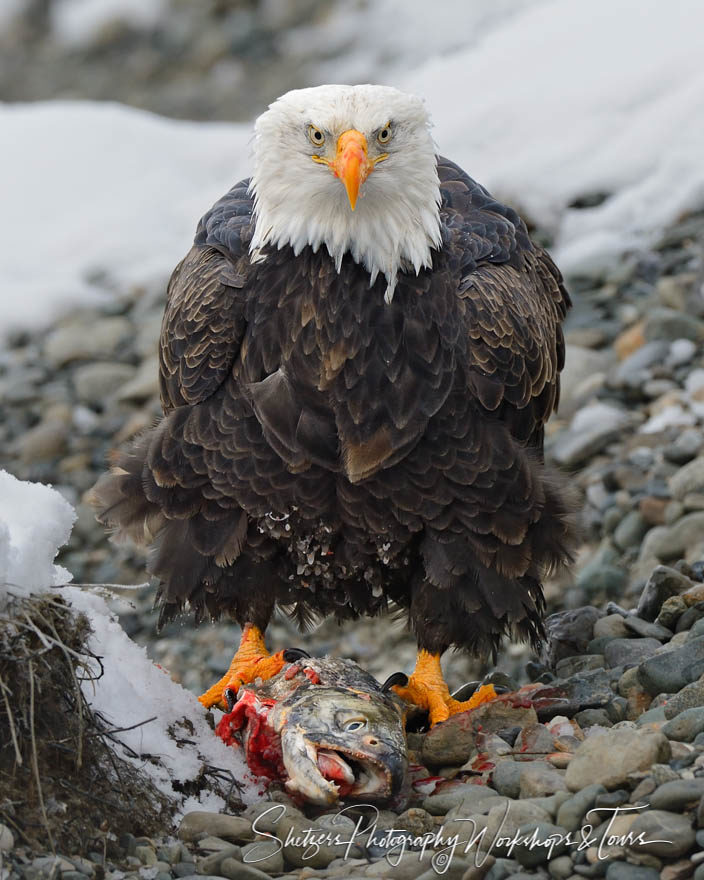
[341,744]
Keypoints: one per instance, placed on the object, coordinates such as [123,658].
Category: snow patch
[542,102]
[93,189]
[35,520]
[133,690]
[568,99]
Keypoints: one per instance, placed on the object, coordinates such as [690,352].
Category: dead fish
[323,726]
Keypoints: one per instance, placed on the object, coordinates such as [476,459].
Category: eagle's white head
[352,168]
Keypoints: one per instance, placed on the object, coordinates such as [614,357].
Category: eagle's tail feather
[196,549]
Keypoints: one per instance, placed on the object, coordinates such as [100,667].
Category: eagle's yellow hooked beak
[351,164]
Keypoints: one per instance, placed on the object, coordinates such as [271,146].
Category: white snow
[92,188]
[567,99]
[540,101]
[133,690]
[34,522]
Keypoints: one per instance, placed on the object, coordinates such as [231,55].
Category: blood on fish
[312,675]
[263,743]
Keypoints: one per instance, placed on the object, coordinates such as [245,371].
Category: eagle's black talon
[290,655]
[397,678]
[465,691]
[230,698]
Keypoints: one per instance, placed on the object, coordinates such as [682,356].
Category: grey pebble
[689,697]
[620,652]
[685,447]
[569,632]
[646,629]
[572,812]
[663,582]
[690,617]
[96,382]
[656,715]
[82,340]
[264,855]
[689,478]
[686,725]
[530,856]
[674,830]
[210,864]
[612,626]
[672,324]
[592,429]
[216,824]
[626,871]
[7,839]
[678,795]
[609,756]
[560,867]
[235,870]
[506,778]
[539,779]
[630,371]
[589,717]
[570,665]
[441,804]
[670,671]
[630,531]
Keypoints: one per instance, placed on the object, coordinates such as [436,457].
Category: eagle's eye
[315,135]
[384,135]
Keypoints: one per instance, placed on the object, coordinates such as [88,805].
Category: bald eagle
[357,360]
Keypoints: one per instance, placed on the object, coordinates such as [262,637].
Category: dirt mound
[63,785]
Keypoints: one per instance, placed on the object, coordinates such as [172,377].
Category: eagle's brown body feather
[327,451]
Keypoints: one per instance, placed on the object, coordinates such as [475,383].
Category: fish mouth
[355,774]
[322,773]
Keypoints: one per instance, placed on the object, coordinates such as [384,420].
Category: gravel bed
[616,713]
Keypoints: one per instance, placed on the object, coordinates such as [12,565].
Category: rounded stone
[573,811]
[670,671]
[689,697]
[612,625]
[7,839]
[626,871]
[216,824]
[620,652]
[662,583]
[264,855]
[685,726]
[678,795]
[96,382]
[609,756]
[674,834]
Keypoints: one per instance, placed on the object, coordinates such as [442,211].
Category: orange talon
[251,661]
[427,688]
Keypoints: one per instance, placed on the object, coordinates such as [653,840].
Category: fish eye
[315,136]
[355,724]
[384,134]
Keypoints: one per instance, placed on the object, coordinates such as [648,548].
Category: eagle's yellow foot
[427,688]
[251,661]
